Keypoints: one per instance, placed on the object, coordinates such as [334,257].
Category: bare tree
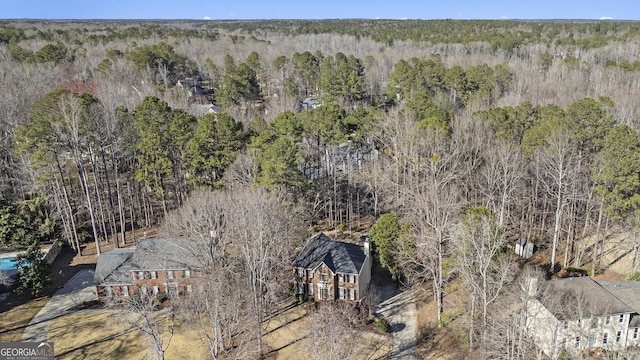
[330,337]
[217,311]
[264,232]
[558,162]
[505,336]
[157,327]
[501,177]
[219,308]
[435,203]
[485,268]
[247,232]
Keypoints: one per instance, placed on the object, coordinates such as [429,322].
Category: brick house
[153,266]
[333,270]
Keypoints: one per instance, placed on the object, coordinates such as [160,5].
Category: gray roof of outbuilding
[115,266]
[340,257]
[580,298]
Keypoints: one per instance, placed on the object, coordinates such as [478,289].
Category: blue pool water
[7,264]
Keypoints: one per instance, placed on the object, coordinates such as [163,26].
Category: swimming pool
[7,264]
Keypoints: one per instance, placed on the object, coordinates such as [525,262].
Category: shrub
[447,317]
[635,276]
[161,297]
[383,325]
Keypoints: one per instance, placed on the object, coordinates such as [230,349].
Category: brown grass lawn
[286,338]
[13,321]
[94,334]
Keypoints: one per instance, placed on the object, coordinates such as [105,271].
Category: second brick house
[153,266]
[333,270]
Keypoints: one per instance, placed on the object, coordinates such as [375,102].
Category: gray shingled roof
[339,256]
[579,298]
[115,266]
[628,292]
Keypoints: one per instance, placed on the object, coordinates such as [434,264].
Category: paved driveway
[79,289]
[402,314]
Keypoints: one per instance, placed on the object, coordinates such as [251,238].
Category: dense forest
[450,136]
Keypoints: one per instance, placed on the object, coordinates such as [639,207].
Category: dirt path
[79,289]
[402,314]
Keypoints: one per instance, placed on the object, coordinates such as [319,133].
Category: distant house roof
[310,103]
[115,266]
[580,298]
[339,256]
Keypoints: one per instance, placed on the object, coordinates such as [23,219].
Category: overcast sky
[320,9]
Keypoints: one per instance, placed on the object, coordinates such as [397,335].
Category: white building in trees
[574,314]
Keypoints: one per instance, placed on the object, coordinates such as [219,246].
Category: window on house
[605,338]
[189,289]
[565,324]
[324,293]
[594,323]
[124,290]
[140,275]
[187,274]
[300,272]
[354,278]
[341,293]
[635,333]
[352,294]
[172,290]
[310,289]
[577,344]
[618,336]
[324,277]
[341,277]
[143,291]
[607,321]
[300,287]
[170,274]
[310,274]
[621,318]
[108,290]
[154,290]
[154,275]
